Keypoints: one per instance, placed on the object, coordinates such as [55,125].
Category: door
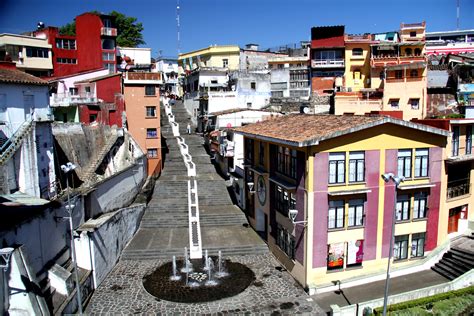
[454,215]
[29,105]
[262,224]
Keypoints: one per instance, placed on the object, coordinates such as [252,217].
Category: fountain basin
[199,288]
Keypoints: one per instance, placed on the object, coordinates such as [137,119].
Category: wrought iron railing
[458,188]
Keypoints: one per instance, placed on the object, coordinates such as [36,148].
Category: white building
[450,42]
[139,55]
[26,154]
[169,68]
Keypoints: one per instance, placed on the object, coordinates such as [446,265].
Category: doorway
[455,214]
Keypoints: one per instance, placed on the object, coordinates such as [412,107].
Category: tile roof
[19,77]
[306,130]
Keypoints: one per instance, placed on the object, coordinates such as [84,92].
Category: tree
[129,32]
[68,29]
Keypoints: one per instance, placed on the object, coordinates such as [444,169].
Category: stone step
[168,253]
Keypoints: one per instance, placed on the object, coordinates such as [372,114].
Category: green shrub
[426,300]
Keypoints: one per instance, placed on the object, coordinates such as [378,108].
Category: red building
[93,46]
[327,57]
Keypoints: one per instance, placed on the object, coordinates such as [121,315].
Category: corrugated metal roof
[23,199]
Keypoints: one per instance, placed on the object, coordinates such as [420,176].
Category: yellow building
[31,54]
[390,75]
[223,56]
[316,195]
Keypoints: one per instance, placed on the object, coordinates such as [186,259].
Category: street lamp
[67,168]
[396,180]
[5,253]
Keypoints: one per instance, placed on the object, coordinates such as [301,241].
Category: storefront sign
[336,255]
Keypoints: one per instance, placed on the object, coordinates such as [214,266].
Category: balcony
[458,188]
[358,37]
[108,31]
[67,99]
[412,25]
[143,78]
[327,63]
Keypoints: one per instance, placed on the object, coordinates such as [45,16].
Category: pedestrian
[188,128]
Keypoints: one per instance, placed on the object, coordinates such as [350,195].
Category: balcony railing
[412,25]
[327,63]
[66,99]
[458,188]
[395,60]
[108,31]
[358,37]
[131,77]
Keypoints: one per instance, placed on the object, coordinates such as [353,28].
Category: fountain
[199,280]
[175,277]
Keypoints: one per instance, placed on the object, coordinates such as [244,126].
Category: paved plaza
[274,292]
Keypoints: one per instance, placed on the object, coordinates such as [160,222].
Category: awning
[416,186]
[349,192]
[287,185]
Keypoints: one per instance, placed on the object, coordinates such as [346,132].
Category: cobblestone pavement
[274,292]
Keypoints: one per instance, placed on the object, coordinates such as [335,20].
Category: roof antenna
[457,20]
[178,26]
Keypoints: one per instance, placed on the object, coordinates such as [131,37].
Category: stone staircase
[458,260]
[164,227]
[11,145]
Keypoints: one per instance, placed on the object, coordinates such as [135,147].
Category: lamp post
[396,180]
[5,253]
[67,168]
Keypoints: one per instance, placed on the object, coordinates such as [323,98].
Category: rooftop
[19,77]
[306,130]
[90,80]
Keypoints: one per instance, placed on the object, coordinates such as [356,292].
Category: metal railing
[458,188]
[327,63]
[108,31]
[11,145]
[58,99]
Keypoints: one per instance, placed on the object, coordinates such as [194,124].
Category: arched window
[357,52]
[408,51]
[417,52]
[414,73]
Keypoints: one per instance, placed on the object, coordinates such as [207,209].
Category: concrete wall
[68,82]
[138,55]
[102,240]
[116,191]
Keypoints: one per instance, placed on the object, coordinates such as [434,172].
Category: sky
[269,23]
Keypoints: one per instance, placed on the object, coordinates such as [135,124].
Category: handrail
[14,141]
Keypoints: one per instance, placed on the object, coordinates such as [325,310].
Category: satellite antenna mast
[178,26]
[457,20]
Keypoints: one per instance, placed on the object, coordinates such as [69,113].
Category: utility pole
[178,26]
[457,15]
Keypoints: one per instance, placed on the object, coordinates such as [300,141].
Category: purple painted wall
[300,205]
[372,176]
[391,156]
[435,164]
[320,213]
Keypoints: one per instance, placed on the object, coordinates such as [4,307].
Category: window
[108,43]
[357,52]
[36,52]
[356,213]
[408,51]
[415,104]
[336,214]
[394,103]
[356,166]
[400,248]
[261,154]
[417,52]
[281,66]
[455,141]
[151,133]
[284,199]
[3,107]
[413,34]
[66,60]
[382,75]
[107,22]
[337,162]
[151,111]
[152,153]
[150,90]
[225,63]
[248,150]
[253,85]
[87,89]
[92,118]
[421,162]
[398,74]
[277,94]
[65,43]
[403,208]
[73,91]
[404,163]
[285,241]
[286,161]
[110,67]
[108,56]
[414,73]
[249,105]
[419,205]
[418,245]
[468,140]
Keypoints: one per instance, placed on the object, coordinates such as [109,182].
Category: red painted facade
[88,52]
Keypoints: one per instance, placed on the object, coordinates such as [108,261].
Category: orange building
[141,92]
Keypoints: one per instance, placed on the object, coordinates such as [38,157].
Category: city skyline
[253,22]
